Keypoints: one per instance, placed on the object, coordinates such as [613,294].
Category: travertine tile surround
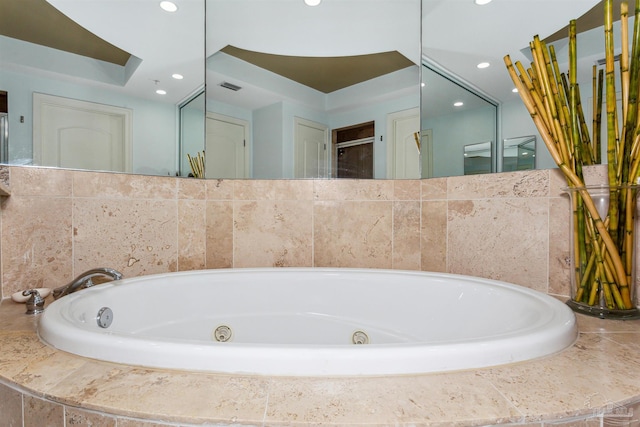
[59,223]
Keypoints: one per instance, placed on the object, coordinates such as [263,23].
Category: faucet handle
[35,304]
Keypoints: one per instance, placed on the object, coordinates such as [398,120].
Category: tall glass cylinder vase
[603,279]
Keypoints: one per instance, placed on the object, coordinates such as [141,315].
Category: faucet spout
[84,281]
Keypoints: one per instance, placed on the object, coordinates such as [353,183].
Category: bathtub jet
[309,322]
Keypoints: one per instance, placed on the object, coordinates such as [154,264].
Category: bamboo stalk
[612,138]
[624,56]
[581,242]
[632,80]
[598,116]
[573,99]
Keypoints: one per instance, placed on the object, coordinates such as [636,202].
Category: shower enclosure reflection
[455,120]
[478,158]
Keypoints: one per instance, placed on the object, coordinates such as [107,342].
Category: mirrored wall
[114,75]
[297,91]
[459,127]
[278,89]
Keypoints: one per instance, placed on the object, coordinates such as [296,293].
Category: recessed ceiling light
[483,65]
[168,6]
[161,92]
[423,84]
[514,90]
[312,2]
[482,2]
[177,76]
[458,104]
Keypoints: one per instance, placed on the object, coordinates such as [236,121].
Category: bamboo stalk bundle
[197,165]
[603,246]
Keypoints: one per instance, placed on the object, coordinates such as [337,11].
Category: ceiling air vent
[604,60]
[231,86]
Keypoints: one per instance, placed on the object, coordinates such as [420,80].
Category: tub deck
[598,377]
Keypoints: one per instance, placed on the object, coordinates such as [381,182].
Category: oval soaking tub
[309,322]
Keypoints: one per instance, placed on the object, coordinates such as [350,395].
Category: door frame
[41,99]
[426,153]
[392,118]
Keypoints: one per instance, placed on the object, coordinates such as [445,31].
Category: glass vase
[603,231]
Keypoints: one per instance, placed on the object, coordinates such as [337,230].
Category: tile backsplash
[59,223]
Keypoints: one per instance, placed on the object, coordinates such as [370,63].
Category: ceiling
[325,74]
[123,46]
[457,34]
[36,21]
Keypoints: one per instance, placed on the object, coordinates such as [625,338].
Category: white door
[310,149]
[226,153]
[81,135]
[403,149]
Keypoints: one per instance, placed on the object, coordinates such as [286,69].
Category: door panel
[311,154]
[81,135]
[404,150]
[226,137]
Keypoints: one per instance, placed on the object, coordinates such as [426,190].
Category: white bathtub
[304,321]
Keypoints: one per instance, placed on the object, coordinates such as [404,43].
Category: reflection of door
[310,149]
[81,135]
[426,153]
[403,145]
[225,147]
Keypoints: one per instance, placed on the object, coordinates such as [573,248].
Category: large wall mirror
[300,91]
[99,84]
[463,44]
[331,90]
[456,121]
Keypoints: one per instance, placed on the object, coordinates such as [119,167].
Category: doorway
[310,149]
[353,151]
[77,134]
[227,138]
[403,149]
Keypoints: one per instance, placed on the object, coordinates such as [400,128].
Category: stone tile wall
[59,223]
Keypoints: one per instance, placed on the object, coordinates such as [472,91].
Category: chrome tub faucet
[84,281]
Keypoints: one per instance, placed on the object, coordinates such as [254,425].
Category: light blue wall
[268,125]
[192,131]
[452,132]
[516,122]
